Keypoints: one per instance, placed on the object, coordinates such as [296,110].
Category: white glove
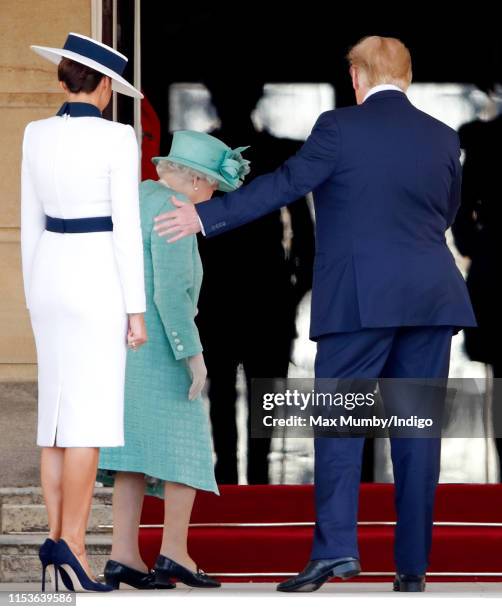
[199,374]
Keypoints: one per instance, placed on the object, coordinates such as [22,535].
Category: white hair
[164,166]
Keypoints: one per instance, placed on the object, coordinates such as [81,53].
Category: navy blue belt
[79,226]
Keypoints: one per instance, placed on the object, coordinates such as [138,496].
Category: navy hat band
[95,52]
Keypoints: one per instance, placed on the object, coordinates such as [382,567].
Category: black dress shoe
[318,571]
[168,571]
[116,572]
[409,583]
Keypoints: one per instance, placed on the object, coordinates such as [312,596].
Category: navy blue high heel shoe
[65,560]
[46,554]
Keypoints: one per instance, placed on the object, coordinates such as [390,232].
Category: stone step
[23,511]
[19,560]
[33,495]
[30,518]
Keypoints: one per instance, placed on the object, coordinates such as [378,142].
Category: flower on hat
[234,167]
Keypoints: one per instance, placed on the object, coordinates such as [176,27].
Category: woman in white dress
[83,276]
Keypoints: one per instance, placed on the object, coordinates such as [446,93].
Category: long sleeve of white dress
[127,238]
[32,217]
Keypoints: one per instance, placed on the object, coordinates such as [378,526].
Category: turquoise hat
[210,156]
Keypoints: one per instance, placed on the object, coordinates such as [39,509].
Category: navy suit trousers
[398,352]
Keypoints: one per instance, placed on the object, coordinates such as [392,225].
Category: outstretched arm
[299,175]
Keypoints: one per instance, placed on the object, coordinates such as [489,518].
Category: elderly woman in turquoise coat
[168,447]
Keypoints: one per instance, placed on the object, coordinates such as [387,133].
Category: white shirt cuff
[201,226]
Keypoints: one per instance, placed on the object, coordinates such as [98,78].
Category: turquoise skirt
[167,436]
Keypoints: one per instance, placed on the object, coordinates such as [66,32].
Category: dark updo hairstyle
[77,77]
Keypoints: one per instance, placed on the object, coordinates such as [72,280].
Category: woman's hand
[199,374]
[136,334]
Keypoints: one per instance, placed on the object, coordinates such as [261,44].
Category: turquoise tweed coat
[167,436]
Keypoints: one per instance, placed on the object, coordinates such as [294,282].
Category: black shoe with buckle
[168,571]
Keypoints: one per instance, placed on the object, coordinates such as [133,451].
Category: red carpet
[267,548]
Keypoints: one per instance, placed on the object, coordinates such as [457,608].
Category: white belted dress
[80,287]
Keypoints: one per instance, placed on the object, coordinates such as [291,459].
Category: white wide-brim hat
[95,55]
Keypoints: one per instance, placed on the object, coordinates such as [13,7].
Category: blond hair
[382,60]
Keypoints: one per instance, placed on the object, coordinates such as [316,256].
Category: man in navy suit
[387,296]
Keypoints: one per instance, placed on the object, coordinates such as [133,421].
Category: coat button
[180,347]
[174,333]
[177,340]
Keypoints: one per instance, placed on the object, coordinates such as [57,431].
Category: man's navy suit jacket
[386,181]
